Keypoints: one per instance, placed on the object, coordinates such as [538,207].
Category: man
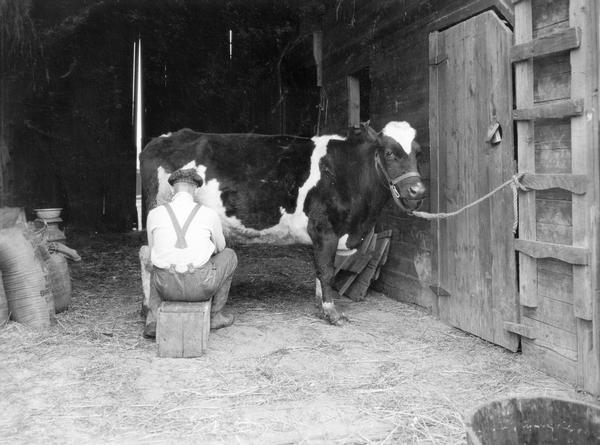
[188,254]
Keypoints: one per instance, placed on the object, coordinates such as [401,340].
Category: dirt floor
[279,375]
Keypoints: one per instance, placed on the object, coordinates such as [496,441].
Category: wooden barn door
[474,261]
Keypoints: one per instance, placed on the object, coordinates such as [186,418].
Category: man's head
[185,180]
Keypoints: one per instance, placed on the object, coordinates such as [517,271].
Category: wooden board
[474,258]
[358,290]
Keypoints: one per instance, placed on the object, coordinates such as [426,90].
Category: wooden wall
[391,39]
[557,138]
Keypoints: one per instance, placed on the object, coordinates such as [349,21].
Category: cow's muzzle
[408,191]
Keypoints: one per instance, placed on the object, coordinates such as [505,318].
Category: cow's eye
[389,154]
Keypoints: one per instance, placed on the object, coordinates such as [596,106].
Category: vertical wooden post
[585,159]
[434,154]
[318,55]
[526,162]
[353,101]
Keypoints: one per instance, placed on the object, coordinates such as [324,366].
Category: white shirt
[204,235]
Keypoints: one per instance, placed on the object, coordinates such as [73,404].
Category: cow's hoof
[340,320]
[332,315]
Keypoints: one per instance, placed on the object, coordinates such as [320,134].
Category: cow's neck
[372,196]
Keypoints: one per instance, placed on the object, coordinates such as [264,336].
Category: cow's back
[252,181]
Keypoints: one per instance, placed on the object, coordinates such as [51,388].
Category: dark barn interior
[67,90]
[503,95]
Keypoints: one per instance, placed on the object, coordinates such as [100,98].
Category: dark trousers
[213,280]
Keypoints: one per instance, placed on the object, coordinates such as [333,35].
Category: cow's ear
[416,149]
[369,133]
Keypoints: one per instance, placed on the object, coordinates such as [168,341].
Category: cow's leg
[324,247]
[318,294]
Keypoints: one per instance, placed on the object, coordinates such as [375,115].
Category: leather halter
[392,182]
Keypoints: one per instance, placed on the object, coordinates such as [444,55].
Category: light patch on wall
[422,262]
[402,133]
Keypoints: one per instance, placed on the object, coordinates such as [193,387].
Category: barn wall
[558,293]
[391,39]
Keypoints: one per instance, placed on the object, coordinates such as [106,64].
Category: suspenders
[181,243]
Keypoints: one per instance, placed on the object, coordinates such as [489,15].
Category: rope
[515,185]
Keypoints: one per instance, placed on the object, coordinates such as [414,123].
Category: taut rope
[515,185]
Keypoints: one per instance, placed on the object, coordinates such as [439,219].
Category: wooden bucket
[534,420]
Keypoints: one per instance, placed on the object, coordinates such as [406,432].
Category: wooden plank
[590,344]
[358,290]
[576,184]
[343,280]
[552,312]
[554,234]
[560,41]
[520,329]
[551,110]
[353,101]
[500,163]
[553,134]
[555,194]
[434,142]
[555,280]
[552,337]
[357,262]
[583,130]
[549,16]
[550,361]
[384,234]
[552,78]
[459,12]
[553,161]
[568,254]
[526,158]
[588,370]
[550,211]
[366,245]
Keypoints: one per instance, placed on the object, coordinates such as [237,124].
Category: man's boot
[150,330]
[219,320]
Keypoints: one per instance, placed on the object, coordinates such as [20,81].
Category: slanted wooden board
[370,254]
[358,290]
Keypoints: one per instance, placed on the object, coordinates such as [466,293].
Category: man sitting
[188,254]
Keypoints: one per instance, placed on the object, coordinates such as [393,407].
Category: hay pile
[278,375]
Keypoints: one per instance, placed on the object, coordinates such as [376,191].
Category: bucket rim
[469,414]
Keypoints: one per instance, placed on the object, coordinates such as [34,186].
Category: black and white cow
[327,190]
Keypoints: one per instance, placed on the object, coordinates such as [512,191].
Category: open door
[471,154]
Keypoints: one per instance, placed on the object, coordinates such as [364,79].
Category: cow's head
[396,160]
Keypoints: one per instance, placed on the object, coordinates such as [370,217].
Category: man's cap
[189,175]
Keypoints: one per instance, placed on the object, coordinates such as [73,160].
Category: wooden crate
[182,328]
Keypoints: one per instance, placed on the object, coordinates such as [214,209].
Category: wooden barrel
[534,420]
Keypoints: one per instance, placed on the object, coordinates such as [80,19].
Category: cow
[326,191]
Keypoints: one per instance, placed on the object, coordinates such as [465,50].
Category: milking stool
[182,328]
